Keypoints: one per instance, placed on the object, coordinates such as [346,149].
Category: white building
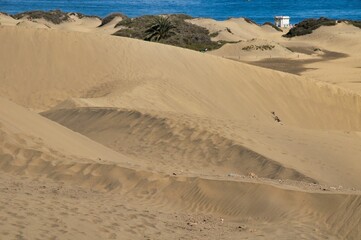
[282,21]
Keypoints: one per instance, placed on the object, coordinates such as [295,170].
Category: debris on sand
[252,175]
[275,117]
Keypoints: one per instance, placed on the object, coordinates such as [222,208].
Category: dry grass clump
[266,47]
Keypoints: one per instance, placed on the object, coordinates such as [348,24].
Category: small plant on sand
[250,21]
[229,30]
[161,28]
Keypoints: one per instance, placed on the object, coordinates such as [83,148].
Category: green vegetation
[307,26]
[161,28]
[54,16]
[110,18]
[181,34]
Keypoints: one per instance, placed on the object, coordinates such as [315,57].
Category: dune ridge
[187,143]
[199,149]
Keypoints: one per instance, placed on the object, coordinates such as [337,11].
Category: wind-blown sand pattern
[103,137]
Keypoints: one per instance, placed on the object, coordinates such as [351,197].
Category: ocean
[258,10]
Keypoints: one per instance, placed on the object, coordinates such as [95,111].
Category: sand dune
[31,24]
[236,29]
[74,24]
[7,20]
[339,66]
[211,87]
[141,140]
[177,80]
[241,203]
[80,213]
[181,144]
[344,71]
[253,50]
[154,138]
[33,129]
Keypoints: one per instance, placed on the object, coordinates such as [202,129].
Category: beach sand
[104,137]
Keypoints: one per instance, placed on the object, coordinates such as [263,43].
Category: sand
[103,137]
[329,54]
[236,29]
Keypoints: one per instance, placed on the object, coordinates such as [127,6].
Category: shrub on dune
[307,26]
[171,29]
[161,28]
[53,16]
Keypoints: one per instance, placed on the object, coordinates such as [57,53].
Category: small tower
[282,21]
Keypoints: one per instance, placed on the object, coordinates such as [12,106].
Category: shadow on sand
[296,66]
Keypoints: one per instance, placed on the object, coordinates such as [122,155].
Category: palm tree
[160,28]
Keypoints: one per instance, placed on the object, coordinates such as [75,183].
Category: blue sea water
[257,10]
